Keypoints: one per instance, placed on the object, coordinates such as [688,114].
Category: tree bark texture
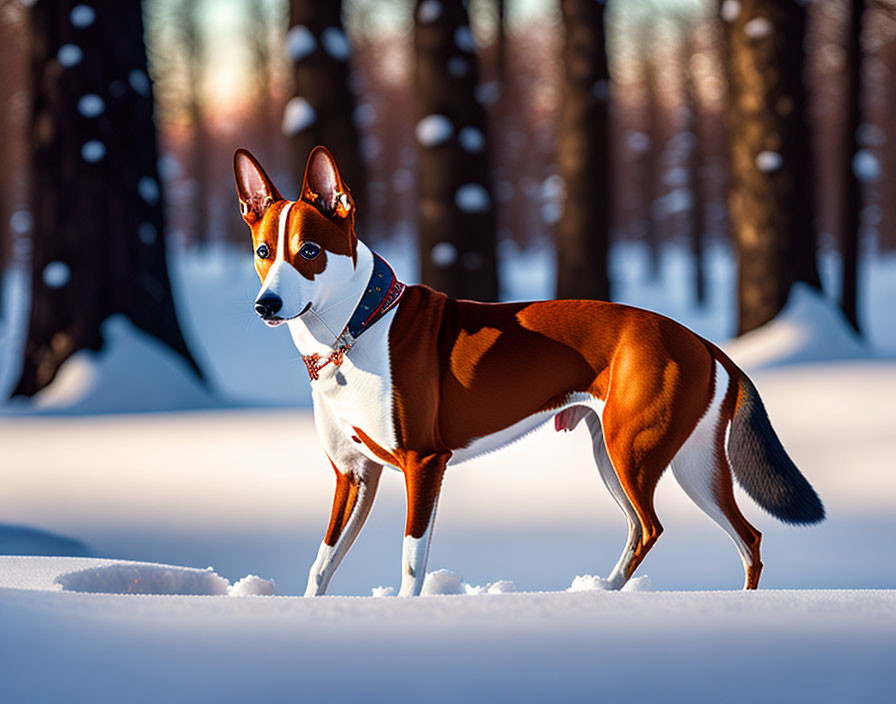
[323,108]
[696,163]
[98,237]
[852,189]
[771,195]
[260,23]
[12,47]
[501,39]
[886,120]
[455,209]
[188,18]
[583,154]
[652,159]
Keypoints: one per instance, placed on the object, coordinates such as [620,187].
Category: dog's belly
[495,441]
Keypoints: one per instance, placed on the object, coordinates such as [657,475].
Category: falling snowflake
[434,130]
[472,198]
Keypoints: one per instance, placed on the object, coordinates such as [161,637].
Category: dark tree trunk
[11,59]
[771,196]
[95,193]
[260,22]
[652,161]
[456,213]
[501,39]
[323,108]
[852,189]
[7,169]
[695,165]
[583,154]
[886,186]
[200,152]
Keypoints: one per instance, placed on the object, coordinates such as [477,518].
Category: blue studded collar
[382,293]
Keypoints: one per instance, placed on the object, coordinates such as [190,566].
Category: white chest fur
[357,393]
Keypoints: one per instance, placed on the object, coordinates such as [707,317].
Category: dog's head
[304,249]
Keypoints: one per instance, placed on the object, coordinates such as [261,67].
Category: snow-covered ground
[771,646]
[204,485]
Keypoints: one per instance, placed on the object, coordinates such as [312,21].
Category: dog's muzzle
[268,305]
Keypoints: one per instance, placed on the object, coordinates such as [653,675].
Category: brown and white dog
[406,377]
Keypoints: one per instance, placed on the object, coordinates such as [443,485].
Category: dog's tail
[760,463]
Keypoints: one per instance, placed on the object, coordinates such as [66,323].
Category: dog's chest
[358,393]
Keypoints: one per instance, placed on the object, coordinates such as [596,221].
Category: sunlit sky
[228,53]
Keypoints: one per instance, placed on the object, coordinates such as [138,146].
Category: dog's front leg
[355,491]
[423,481]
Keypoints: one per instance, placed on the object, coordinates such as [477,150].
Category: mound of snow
[133,373]
[502,586]
[591,583]
[138,578]
[252,585]
[24,540]
[102,576]
[446,582]
[442,582]
[808,329]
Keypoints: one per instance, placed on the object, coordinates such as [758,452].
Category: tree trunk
[12,60]
[260,22]
[583,154]
[696,161]
[323,108]
[95,193]
[7,168]
[886,121]
[652,160]
[852,189]
[771,195]
[501,39]
[200,153]
[456,212]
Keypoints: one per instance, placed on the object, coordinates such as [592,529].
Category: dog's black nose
[268,305]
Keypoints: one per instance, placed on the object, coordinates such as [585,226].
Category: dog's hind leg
[702,469]
[619,576]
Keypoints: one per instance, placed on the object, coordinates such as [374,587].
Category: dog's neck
[318,330]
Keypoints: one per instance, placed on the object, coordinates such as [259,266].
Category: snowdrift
[133,373]
[809,329]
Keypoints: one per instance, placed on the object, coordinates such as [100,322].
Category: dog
[406,377]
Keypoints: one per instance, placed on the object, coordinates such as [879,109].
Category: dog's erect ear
[323,186]
[255,190]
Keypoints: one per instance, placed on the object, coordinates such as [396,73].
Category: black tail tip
[806,511]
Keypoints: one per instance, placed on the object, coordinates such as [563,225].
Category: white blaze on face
[282,234]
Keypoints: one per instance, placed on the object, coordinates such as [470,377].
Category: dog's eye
[263,252]
[309,250]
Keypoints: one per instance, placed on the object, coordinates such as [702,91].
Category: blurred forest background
[473,129]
